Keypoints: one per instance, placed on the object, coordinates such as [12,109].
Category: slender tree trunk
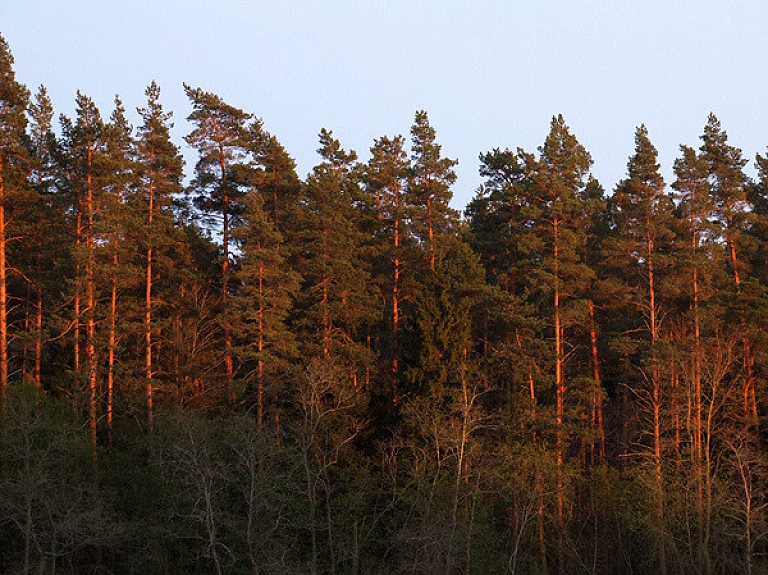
[77,302]
[430,232]
[148,370]
[657,405]
[112,345]
[560,396]
[326,308]
[748,357]
[39,337]
[698,439]
[225,278]
[396,300]
[3,293]
[27,327]
[260,344]
[91,305]
[597,392]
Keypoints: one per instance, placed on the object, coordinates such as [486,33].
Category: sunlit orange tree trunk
[693,191]
[559,209]
[429,187]
[159,171]
[13,166]
[642,215]
[221,173]
[385,179]
[84,145]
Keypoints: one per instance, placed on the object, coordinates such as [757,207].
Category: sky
[490,74]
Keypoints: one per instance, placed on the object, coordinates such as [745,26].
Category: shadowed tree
[221,174]
[385,179]
[267,288]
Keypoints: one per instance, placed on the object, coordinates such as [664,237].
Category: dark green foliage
[337,375]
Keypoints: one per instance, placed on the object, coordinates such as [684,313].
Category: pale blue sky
[490,74]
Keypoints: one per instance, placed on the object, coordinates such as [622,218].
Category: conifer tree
[45,235]
[337,298]
[274,176]
[429,189]
[267,288]
[643,219]
[385,178]
[221,173]
[696,208]
[14,99]
[160,180]
[84,147]
[117,246]
[560,208]
[728,185]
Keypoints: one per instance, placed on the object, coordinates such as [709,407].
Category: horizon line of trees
[255,373]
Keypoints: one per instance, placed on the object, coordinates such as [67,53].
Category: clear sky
[489,73]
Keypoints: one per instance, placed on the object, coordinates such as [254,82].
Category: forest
[235,370]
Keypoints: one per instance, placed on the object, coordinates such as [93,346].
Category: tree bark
[3,293]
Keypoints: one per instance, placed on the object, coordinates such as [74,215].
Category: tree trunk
[597,395]
[260,343]
[656,402]
[3,294]
[39,338]
[396,299]
[560,396]
[112,345]
[148,371]
[225,279]
[90,297]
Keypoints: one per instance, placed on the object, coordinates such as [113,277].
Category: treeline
[244,371]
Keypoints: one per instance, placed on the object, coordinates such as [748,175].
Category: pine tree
[337,298]
[728,185]
[160,180]
[643,218]
[385,178]
[221,173]
[84,148]
[267,289]
[560,208]
[696,208]
[117,248]
[14,99]
[429,189]
[46,233]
